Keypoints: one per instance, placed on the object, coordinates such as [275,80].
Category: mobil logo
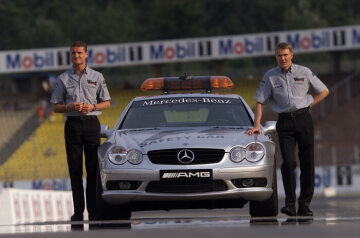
[50,184]
[315,40]
[176,51]
[35,60]
[240,47]
[106,55]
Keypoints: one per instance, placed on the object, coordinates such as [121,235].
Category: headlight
[117,155]
[237,154]
[134,157]
[254,152]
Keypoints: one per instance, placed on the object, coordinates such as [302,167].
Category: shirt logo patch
[92,82]
[299,79]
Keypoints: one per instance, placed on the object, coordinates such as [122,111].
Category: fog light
[124,185]
[247,183]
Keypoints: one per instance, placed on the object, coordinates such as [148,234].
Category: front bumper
[227,175]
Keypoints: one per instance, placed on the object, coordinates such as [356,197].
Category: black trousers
[82,135]
[291,131]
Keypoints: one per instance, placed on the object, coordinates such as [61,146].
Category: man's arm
[75,106]
[60,108]
[258,114]
[318,98]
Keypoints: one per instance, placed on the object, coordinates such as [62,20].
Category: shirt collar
[286,71]
[85,70]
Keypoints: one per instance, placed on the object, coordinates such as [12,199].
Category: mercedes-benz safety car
[186,149]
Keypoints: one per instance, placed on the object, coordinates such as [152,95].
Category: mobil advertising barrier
[28,202]
[181,50]
[23,206]
[329,180]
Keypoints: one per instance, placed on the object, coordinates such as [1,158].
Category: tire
[267,208]
[107,211]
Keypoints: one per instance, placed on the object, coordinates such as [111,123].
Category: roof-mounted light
[186,82]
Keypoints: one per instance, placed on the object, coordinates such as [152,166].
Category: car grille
[202,156]
[186,187]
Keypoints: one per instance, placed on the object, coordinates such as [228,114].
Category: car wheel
[269,207]
[107,211]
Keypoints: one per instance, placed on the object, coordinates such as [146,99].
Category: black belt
[294,113]
[82,117]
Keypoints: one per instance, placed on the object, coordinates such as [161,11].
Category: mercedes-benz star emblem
[185,156]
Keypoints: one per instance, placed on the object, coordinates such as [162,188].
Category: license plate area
[186,175]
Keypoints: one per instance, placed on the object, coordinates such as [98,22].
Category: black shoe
[305,211]
[77,217]
[290,211]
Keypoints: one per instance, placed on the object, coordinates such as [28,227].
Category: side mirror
[105,132]
[269,127]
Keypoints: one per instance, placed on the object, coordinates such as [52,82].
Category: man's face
[283,58]
[78,55]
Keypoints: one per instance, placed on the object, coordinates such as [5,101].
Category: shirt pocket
[300,88]
[91,92]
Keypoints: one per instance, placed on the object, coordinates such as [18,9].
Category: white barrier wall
[19,206]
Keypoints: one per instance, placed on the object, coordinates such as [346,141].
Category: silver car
[185,150]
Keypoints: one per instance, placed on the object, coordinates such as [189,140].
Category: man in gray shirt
[287,88]
[81,93]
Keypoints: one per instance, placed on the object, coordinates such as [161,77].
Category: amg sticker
[191,174]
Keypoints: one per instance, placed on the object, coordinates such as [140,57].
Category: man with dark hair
[287,88]
[81,93]
[79,44]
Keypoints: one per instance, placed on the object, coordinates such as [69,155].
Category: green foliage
[41,23]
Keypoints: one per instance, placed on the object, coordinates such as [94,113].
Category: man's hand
[254,130]
[258,115]
[87,108]
[76,106]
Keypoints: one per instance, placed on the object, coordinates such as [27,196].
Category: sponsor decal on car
[205,174]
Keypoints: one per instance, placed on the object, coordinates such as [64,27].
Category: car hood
[201,137]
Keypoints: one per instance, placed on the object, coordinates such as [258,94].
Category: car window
[186,112]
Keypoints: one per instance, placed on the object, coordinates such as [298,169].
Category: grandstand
[17,113]
[42,155]
[12,121]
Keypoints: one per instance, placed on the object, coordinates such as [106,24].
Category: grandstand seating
[11,122]
[42,155]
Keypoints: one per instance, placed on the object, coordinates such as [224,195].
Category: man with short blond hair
[287,88]
[81,94]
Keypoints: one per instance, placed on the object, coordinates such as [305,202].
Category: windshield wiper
[142,129]
[230,127]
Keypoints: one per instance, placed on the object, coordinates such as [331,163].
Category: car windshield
[186,112]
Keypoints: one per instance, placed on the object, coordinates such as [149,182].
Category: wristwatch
[94,109]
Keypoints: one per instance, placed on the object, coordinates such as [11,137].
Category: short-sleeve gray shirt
[90,88]
[288,91]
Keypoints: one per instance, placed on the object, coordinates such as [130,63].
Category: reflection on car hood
[195,137]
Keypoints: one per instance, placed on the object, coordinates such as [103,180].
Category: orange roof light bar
[186,82]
